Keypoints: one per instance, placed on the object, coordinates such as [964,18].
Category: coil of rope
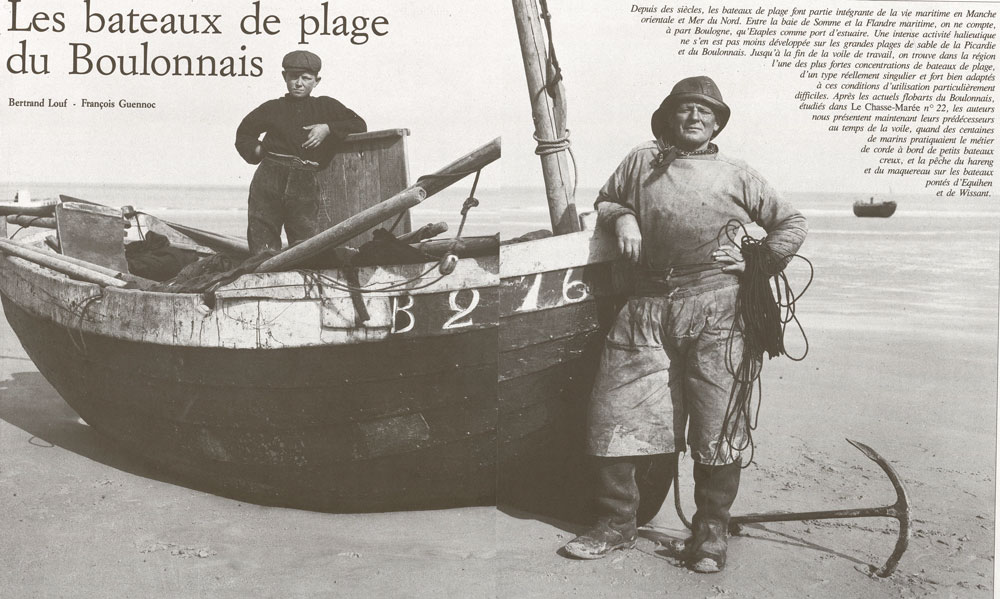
[765,306]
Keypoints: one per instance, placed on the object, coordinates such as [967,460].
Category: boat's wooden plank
[355,178]
[382,135]
[394,175]
[405,279]
[352,199]
[47,293]
[566,383]
[75,267]
[542,290]
[297,407]
[556,253]
[332,192]
[529,328]
[525,420]
[278,369]
[308,447]
[524,361]
[551,404]
[92,233]
[370,185]
[236,322]
[443,475]
[404,436]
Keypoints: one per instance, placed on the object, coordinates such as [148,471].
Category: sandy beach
[917,383]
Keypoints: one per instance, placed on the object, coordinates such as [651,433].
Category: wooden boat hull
[879,209]
[558,297]
[468,391]
[314,428]
[400,416]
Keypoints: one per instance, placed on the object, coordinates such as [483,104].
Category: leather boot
[654,475]
[616,503]
[715,489]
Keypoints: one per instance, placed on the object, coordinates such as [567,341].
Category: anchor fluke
[900,510]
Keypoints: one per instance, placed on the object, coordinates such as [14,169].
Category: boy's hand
[317,133]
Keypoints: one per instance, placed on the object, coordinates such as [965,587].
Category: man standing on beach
[668,359]
[300,137]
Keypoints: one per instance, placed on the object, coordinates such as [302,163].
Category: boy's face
[300,83]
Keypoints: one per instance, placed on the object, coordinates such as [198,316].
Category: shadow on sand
[29,402]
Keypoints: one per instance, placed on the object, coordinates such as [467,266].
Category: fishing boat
[881,209]
[282,387]
[454,382]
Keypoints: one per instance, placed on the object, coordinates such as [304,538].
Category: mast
[548,113]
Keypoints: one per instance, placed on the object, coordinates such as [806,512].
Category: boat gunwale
[74,304]
[558,252]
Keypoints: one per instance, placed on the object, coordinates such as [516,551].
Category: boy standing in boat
[300,137]
[668,359]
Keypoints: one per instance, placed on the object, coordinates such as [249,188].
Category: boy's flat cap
[301,59]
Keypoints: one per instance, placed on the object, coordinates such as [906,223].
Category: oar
[44,222]
[425,187]
[43,208]
[74,267]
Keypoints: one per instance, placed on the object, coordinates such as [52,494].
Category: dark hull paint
[878,209]
[487,415]
[548,359]
[391,425]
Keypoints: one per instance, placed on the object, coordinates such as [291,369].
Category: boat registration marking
[573,289]
[465,309]
[460,311]
[402,308]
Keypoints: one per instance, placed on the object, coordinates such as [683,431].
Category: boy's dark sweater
[282,121]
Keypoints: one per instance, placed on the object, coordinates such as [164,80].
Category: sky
[449,71]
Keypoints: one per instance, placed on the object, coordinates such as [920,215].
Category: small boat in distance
[882,209]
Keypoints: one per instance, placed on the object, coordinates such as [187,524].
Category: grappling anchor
[900,510]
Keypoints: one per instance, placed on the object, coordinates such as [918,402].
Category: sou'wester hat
[699,89]
[301,60]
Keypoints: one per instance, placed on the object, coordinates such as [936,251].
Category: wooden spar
[555,167]
[216,241]
[457,170]
[341,232]
[78,269]
[44,222]
[425,187]
[46,208]
[468,246]
[425,232]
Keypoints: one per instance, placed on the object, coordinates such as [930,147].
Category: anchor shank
[870,512]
